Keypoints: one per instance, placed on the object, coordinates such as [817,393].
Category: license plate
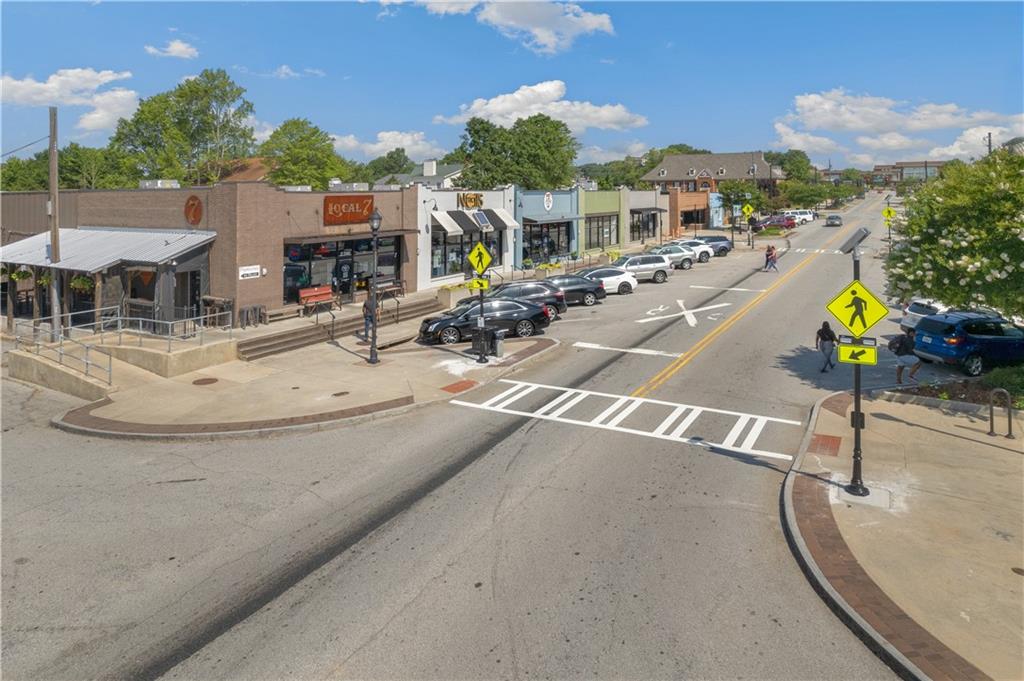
[926,339]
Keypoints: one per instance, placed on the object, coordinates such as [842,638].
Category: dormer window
[692,172]
[662,173]
[721,171]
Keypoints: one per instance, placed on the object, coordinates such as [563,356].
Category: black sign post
[856,486]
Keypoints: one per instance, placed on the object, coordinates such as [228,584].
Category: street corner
[879,560]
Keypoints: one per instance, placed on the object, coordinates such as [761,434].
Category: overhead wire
[8,153]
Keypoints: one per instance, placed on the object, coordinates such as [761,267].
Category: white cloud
[546,98]
[455,7]
[174,48]
[319,73]
[415,143]
[191,76]
[544,27]
[284,72]
[973,142]
[795,139]
[75,87]
[261,130]
[891,140]
[597,154]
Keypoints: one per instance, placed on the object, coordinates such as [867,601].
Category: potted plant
[44,279]
[19,274]
[82,283]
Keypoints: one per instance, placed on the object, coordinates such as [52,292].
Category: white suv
[801,216]
[703,251]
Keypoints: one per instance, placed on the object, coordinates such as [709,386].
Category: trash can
[481,345]
[498,346]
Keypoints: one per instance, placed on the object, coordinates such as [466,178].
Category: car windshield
[621,262]
[938,327]
[462,309]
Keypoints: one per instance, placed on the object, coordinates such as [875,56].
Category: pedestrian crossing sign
[857,350]
[479,258]
[747,210]
[857,308]
[889,212]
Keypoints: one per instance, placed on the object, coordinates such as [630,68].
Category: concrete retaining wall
[26,366]
[175,363]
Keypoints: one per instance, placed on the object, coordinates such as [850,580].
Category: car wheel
[722,252]
[684,264]
[449,335]
[589,299]
[625,288]
[524,328]
[552,311]
[704,257]
[660,277]
[973,365]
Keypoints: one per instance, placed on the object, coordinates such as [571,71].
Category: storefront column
[97,299]
[36,307]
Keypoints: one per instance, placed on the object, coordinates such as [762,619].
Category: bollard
[992,413]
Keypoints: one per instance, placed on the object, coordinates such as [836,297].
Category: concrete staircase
[292,339]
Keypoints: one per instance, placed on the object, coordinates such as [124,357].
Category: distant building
[919,170]
[430,173]
[1016,145]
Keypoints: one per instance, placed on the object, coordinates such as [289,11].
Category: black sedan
[516,317]
[579,290]
[532,291]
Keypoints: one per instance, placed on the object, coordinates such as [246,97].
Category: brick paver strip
[825,445]
[84,418]
[838,404]
[835,560]
[459,386]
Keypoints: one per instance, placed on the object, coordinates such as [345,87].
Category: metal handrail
[63,357]
[398,304]
[992,412]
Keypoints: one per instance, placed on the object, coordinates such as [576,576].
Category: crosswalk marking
[680,419]
[830,251]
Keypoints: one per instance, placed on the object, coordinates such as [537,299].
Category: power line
[8,153]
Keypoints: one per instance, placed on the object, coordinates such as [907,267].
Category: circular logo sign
[193,210]
[549,201]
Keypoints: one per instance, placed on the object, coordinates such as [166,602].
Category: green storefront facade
[605,224]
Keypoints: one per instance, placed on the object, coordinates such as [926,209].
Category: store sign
[346,210]
[549,201]
[467,200]
[193,210]
[249,272]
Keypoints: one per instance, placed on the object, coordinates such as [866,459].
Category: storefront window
[643,225]
[544,242]
[345,266]
[602,231]
[693,217]
[448,253]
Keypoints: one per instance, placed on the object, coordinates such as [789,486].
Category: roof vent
[721,171]
[297,188]
[662,173]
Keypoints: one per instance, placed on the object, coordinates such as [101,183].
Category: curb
[875,642]
[950,405]
[59,423]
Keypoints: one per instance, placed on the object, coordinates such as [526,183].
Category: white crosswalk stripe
[672,428]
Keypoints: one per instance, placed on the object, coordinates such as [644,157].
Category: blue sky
[854,83]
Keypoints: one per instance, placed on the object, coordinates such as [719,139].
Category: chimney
[430,167]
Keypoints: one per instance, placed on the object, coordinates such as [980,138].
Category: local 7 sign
[345,210]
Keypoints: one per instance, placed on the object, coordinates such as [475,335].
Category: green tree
[962,239]
[456,155]
[801,194]
[190,133]
[25,174]
[852,175]
[734,193]
[535,152]
[395,162]
[95,168]
[300,153]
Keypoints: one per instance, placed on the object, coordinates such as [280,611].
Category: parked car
[919,308]
[648,266]
[781,221]
[518,317]
[614,278]
[721,244]
[834,221]
[537,291]
[579,290]
[801,216]
[681,257]
[973,340]
[703,251]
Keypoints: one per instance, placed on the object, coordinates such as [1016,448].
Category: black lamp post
[375,231]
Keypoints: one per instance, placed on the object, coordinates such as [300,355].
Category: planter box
[554,271]
[449,297]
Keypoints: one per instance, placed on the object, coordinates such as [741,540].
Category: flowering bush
[962,237]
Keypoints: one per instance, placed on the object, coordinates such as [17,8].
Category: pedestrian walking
[903,346]
[825,340]
[767,258]
[773,259]
[368,316]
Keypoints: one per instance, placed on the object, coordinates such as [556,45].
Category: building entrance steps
[928,567]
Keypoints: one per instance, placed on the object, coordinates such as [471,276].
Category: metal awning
[472,221]
[503,216]
[94,249]
[548,219]
[648,210]
[442,218]
[325,238]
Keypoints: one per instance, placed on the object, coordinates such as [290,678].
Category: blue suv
[974,340]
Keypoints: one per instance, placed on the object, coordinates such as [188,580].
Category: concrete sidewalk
[312,388]
[929,568]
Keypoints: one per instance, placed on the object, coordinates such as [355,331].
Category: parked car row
[522,308]
[974,341]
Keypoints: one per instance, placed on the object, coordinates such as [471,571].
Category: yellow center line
[675,365]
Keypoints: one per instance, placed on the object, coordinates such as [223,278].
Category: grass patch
[1010,379]
[772,231]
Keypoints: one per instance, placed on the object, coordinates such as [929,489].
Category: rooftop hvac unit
[297,188]
[159,184]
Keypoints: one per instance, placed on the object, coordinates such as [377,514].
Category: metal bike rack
[992,412]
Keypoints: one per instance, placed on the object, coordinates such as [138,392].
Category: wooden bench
[315,298]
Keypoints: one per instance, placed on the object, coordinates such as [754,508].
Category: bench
[316,297]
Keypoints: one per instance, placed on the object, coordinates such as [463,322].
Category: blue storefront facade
[550,222]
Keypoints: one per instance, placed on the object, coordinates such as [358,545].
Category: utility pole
[989,138]
[55,325]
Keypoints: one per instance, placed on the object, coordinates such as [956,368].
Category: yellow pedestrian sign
[747,210]
[857,308]
[857,350]
[478,284]
[888,212]
[479,258]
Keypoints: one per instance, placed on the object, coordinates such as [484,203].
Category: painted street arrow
[686,314]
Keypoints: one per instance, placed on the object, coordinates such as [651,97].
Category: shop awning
[648,210]
[444,219]
[324,238]
[94,249]
[549,219]
[503,217]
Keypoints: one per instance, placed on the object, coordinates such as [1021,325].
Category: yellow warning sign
[889,212]
[747,210]
[479,258]
[478,284]
[857,308]
[857,354]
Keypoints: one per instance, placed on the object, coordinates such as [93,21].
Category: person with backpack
[903,346]
[825,341]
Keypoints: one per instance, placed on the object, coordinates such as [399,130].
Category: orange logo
[345,210]
[193,210]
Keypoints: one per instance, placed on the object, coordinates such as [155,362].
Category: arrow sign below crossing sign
[857,350]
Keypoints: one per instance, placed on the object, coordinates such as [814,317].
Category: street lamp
[375,231]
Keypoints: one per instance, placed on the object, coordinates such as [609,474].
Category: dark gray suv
[721,244]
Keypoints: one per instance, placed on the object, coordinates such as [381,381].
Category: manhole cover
[1019,571]
[295,387]
[204,381]
[341,394]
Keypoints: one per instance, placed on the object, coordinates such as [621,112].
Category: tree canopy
[300,153]
[794,163]
[536,152]
[962,237]
[395,162]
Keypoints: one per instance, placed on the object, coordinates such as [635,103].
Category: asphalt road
[466,542]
